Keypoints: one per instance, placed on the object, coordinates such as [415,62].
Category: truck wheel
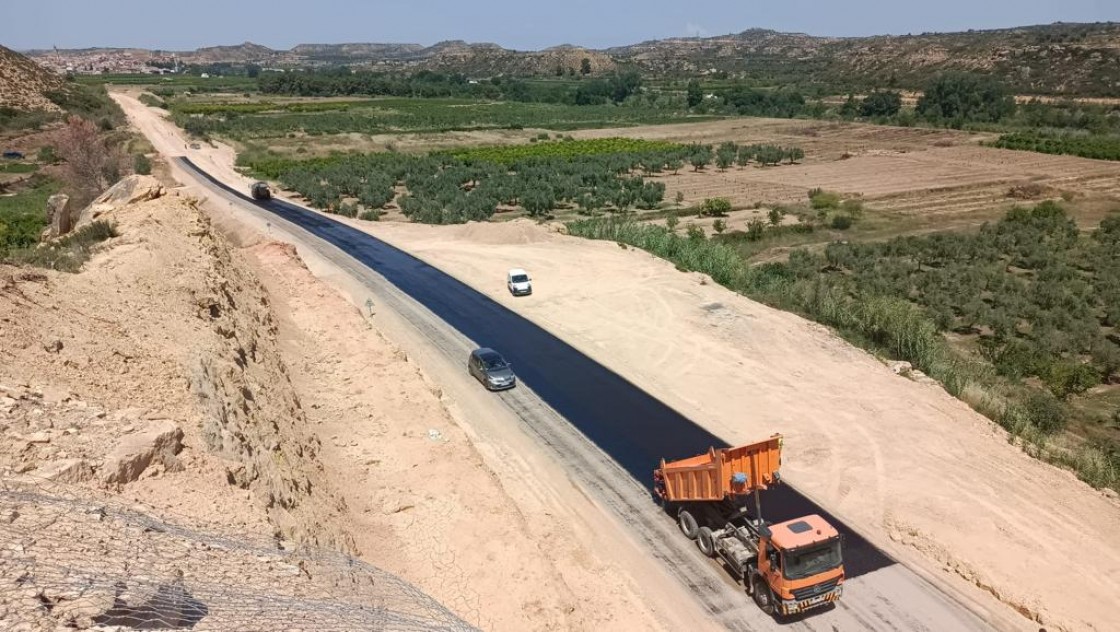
[687,524]
[763,596]
[705,543]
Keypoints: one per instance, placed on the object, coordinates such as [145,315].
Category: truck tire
[687,524]
[763,596]
[705,542]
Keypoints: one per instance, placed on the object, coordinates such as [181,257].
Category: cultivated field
[921,178]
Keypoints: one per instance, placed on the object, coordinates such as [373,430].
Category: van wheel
[687,524]
[705,542]
[763,596]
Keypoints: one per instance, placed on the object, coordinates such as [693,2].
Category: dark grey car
[490,368]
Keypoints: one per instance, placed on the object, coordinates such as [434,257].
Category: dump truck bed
[720,473]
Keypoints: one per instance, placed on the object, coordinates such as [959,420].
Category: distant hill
[24,84]
[1076,59]
[1071,59]
[241,53]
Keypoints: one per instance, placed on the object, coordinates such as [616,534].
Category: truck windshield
[520,278]
[812,560]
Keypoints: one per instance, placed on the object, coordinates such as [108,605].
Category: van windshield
[520,278]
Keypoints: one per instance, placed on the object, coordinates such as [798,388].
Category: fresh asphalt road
[631,426]
[634,428]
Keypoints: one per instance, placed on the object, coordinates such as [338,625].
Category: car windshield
[812,560]
[493,362]
[520,278]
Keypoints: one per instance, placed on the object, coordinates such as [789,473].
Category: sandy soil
[423,502]
[922,474]
[391,446]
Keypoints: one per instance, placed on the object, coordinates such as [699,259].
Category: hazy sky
[520,24]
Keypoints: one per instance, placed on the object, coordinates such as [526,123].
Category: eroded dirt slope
[166,324]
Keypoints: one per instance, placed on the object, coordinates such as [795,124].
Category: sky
[518,24]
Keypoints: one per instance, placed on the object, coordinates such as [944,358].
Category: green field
[22,218]
[18,167]
[569,149]
[394,115]
[1100,146]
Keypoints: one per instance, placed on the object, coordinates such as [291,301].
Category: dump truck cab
[801,563]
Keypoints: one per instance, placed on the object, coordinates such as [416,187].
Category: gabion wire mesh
[69,562]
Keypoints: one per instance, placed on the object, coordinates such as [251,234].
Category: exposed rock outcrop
[129,190]
[58,216]
[136,452]
[65,471]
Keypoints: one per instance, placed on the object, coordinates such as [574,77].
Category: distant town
[102,61]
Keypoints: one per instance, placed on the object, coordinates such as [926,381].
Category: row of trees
[615,87]
[1101,147]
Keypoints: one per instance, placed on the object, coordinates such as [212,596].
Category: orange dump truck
[789,567]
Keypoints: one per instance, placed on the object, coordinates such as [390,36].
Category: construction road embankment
[607,433]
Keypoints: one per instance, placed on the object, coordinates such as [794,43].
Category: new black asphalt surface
[634,428]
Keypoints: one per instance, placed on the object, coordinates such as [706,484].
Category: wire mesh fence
[70,559]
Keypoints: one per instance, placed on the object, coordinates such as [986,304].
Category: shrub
[853,208]
[672,221]
[48,155]
[820,199]
[68,253]
[1067,378]
[841,222]
[756,230]
[775,215]
[881,104]
[91,165]
[719,226]
[141,165]
[700,156]
[371,215]
[1045,413]
[695,233]
[715,207]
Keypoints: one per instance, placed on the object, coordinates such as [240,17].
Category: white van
[518,282]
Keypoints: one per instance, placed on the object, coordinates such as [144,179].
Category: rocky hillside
[1076,59]
[24,83]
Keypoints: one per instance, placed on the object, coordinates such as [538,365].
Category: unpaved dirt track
[604,417]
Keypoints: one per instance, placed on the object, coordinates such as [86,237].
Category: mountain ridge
[1062,58]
